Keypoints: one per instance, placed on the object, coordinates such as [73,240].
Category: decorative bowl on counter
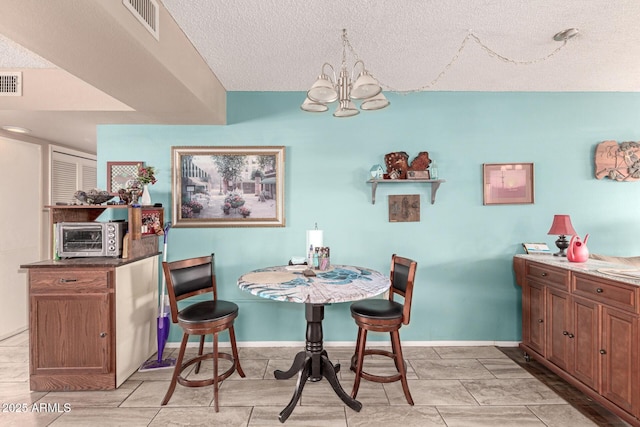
[93,197]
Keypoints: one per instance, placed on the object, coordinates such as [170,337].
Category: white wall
[20,228]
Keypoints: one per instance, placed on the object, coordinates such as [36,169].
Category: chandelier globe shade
[378,102]
[313,107]
[323,90]
[346,109]
[365,86]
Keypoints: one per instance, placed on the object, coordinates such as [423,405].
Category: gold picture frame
[228,186]
[507,183]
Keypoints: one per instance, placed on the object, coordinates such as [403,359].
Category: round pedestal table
[341,283]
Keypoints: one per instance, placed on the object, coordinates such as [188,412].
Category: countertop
[90,262]
[593,267]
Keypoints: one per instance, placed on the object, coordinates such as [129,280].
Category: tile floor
[451,386]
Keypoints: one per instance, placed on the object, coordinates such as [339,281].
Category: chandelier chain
[492,52]
[345,43]
[470,36]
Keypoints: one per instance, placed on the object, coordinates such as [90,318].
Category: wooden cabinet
[558,327]
[92,321]
[537,321]
[619,359]
[584,340]
[614,340]
[590,333]
[533,316]
[84,344]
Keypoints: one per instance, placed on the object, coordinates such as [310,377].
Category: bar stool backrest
[187,278]
[403,273]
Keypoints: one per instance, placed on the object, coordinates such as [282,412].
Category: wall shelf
[435,184]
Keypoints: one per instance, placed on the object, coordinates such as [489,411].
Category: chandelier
[344,88]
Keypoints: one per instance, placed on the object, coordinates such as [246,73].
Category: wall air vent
[11,84]
[147,12]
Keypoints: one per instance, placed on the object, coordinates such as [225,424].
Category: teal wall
[465,289]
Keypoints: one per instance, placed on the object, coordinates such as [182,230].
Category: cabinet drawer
[548,275]
[614,294]
[79,280]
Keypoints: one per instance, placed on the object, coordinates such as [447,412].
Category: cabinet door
[618,355]
[584,338]
[70,333]
[558,327]
[533,314]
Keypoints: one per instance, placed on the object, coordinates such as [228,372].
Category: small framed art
[405,208]
[507,183]
[118,173]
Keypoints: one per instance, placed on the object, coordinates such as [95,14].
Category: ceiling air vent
[147,12]
[11,84]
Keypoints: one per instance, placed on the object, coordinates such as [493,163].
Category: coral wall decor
[620,162]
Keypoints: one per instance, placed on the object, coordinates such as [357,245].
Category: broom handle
[164,258]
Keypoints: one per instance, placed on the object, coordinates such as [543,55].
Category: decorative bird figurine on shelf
[80,196]
[93,197]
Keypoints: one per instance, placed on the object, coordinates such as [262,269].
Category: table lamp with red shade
[562,227]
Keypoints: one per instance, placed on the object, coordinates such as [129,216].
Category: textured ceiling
[12,55]
[280,45]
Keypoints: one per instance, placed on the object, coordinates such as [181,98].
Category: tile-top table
[341,283]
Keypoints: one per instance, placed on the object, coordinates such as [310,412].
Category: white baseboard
[353,343]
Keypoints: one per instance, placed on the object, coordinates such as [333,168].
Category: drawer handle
[103,334]
[603,351]
[565,333]
[68,280]
[599,290]
[571,335]
[543,274]
[540,321]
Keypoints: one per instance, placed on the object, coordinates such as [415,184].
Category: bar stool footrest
[209,381]
[378,378]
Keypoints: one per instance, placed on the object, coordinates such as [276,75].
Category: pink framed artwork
[507,183]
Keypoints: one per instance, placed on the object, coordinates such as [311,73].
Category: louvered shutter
[71,171]
[89,177]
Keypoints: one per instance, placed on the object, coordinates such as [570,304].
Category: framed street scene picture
[228,186]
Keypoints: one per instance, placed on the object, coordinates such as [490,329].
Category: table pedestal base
[313,364]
